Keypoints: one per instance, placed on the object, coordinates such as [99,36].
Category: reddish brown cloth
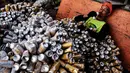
[119,23]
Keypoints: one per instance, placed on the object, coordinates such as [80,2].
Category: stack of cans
[35,43]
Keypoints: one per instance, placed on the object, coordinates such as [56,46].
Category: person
[95,21]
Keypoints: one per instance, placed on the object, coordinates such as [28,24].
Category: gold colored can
[67,45]
[70,61]
[7,8]
[66,56]
[79,65]
[69,67]
[62,70]
[68,50]
[25,56]
[77,56]
[55,67]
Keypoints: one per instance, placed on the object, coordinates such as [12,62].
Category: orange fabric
[119,22]
[109,5]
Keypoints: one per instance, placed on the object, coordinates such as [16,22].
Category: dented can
[68,50]
[69,67]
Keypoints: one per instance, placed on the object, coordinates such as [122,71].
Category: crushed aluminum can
[62,70]
[66,45]
[70,61]
[66,56]
[68,50]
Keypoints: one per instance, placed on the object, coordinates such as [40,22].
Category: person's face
[104,11]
